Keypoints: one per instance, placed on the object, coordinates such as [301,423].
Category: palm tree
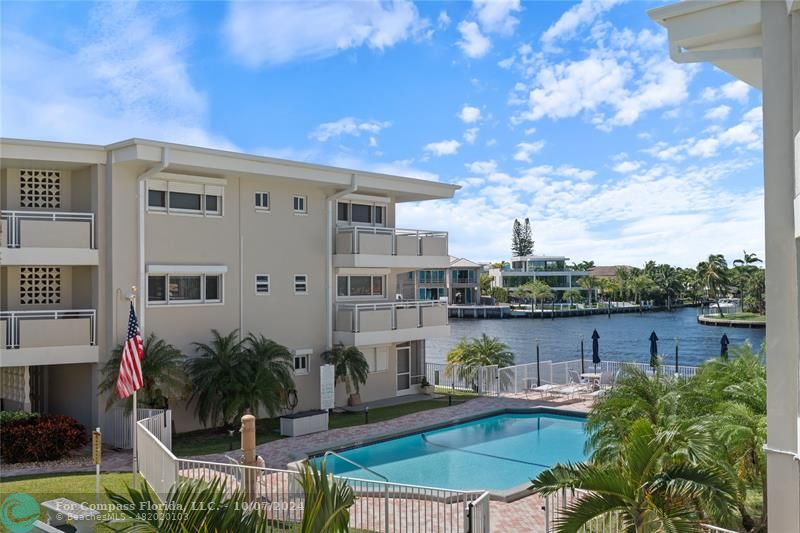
[589,283]
[327,502]
[650,488]
[216,376]
[572,294]
[270,370]
[640,284]
[539,290]
[162,372]
[486,284]
[667,279]
[351,367]
[468,356]
[715,275]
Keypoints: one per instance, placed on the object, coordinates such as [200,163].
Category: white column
[780,101]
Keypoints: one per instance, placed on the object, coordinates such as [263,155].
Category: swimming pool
[496,453]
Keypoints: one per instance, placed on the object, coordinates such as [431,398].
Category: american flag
[130,367]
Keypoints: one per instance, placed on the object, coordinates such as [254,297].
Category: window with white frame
[301,361]
[262,201]
[347,286]
[301,284]
[184,197]
[377,358]
[299,204]
[361,213]
[262,284]
[176,289]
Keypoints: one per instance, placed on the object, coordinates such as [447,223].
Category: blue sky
[569,113]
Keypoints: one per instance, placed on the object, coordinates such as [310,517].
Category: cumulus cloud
[469,114]
[495,16]
[125,79]
[735,90]
[720,112]
[471,135]
[482,167]
[625,167]
[441,148]
[473,43]
[272,33]
[443,20]
[347,126]
[580,15]
[526,150]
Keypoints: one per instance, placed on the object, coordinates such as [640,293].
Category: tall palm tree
[270,370]
[162,372]
[572,294]
[650,488]
[590,284]
[539,290]
[639,285]
[667,279]
[716,277]
[216,376]
[350,367]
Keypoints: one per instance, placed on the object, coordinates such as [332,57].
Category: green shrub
[6,417]
[41,438]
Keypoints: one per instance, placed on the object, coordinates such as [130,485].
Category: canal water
[623,337]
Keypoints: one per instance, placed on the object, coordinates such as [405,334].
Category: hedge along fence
[39,438]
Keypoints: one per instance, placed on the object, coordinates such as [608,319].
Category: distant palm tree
[539,290]
[351,367]
[162,372]
[589,283]
[572,294]
[640,284]
[716,277]
[486,284]
[649,488]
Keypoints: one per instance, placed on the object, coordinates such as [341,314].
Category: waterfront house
[550,269]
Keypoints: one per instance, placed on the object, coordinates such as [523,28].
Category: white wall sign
[327,388]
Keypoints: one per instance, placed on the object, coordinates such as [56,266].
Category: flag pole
[135,462]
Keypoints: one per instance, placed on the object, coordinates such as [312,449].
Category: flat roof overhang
[726,33]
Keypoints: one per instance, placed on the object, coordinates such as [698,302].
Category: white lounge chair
[575,386]
[603,386]
[544,390]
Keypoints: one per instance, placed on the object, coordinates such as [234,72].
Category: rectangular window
[359,286]
[156,199]
[262,201]
[301,360]
[362,213]
[186,201]
[212,205]
[262,283]
[377,359]
[300,284]
[342,209]
[183,288]
[212,288]
[379,214]
[299,204]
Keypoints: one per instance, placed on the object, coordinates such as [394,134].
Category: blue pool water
[494,453]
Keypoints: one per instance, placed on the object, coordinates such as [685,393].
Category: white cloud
[443,20]
[526,150]
[495,15]
[473,43]
[624,167]
[614,85]
[576,17]
[347,126]
[443,147]
[482,167]
[272,33]
[125,79]
[506,63]
[734,90]
[469,114]
[720,112]
[471,135]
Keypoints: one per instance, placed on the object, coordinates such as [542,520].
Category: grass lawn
[76,487]
[217,440]
[755,317]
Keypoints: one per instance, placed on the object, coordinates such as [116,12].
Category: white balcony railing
[14,337]
[384,316]
[14,220]
[390,241]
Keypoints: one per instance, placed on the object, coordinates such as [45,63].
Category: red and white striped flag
[130,367]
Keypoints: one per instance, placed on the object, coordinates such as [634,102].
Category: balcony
[47,238]
[369,246]
[386,322]
[48,337]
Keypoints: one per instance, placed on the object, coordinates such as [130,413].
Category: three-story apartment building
[306,255]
